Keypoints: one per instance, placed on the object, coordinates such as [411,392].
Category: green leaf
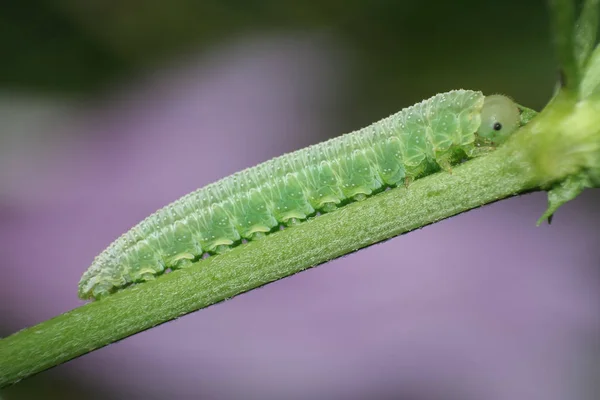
[527,114]
[562,18]
[585,32]
[590,84]
[564,192]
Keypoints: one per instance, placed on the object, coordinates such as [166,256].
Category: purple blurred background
[481,306]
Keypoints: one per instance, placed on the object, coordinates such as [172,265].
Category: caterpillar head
[500,117]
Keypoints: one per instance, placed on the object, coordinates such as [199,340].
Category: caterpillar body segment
[419,140]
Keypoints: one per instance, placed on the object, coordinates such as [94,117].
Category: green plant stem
[248,266]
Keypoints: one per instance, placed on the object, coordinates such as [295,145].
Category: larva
[419,140]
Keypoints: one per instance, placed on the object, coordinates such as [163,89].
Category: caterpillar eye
[499,118]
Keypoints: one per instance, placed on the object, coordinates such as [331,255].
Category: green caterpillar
[417,141]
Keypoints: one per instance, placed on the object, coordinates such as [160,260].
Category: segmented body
[404,146]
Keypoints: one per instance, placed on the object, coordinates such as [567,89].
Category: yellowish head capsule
[499,118]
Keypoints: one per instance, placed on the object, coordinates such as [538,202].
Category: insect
[429,136]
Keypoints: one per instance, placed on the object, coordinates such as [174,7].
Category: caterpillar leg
[257,235]
[181,261]
[221,249]
[359,197]
[329,207]
[478,149]
[444,160]
[293,221]
[412,172]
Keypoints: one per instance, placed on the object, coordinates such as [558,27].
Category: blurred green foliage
[413,47]
[42,49]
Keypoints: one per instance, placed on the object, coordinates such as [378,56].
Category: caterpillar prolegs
[417,141]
